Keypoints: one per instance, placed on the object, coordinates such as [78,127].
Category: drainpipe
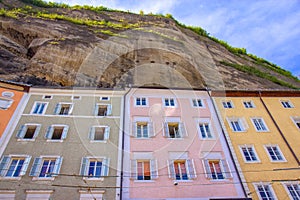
[282,135]
[123,141]
[230,152]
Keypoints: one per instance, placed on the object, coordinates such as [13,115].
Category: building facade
[65,146]
[174,148]
[256,125]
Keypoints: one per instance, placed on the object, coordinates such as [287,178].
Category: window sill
[144,181]
[50,140]
[43,178]
[252,162]
[142,138]
[278,161]
[25,140]
[93,178]
[98,141]
[209,139]
[10,178]
[183,181]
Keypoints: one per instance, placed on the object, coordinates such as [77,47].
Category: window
[287,104]
[297,122]
[39,108]
[28,131]
[249,153]
[57,132]
[47,97]
[259,124]
[104,98]
[182,169]
[46,167]
[102,110]
[8,94]
[227,104]
[217,169]
[63,109]
[237,124]
[76,97]
[265,192]
[205,130]
[275,153]
[14,166]
[174,130]
[99,133]
[293,190]
[197,102]
[248,104]
[140,101]
[94,167]
[169,102]
[142,129]
[143,169]
[5,103]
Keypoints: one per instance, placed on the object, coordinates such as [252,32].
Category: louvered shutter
[182,130]
[153,169]
[71,109]
[35,169]
[171,169]
[133,169]
[49,132]
[191,168]
[22,131]
[25,166]
[96,110]
[166,130]
[57,108]
[37,130]
[84,166]
[133,129]
[105,167]
[65,132]
[4,165]
[57,166]
[106,133]
[225,168]
[150,129]
[206,167]
[92,133]
[109,109]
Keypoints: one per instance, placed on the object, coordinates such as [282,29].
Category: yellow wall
[263,170]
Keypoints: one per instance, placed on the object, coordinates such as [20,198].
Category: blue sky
[267,28]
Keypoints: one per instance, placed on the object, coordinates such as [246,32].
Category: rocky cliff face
[66,47]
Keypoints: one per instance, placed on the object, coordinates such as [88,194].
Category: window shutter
[49,132]
[133,169]
[133,133]
[4,165]
[25,166]
[35,167]
[57,108]
[153,169]
[206,167]
[84,165]
[191,168]
[71,109]
[96,110]
[92,133]
[244,123]
[108,109]
[22,131]
[225,168]
[65,132]
[150,129]
[171,169]
[106,133]
[37,130]
[105,167]
[166,130]
[181,127]
[57,166]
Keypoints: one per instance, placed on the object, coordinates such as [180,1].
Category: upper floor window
[39,108]
[75,97]
[197,103]
[63,109]
[249,153]
[104,98]
[174,130]
[46,167]
[227,104]
[293,190]
[287,104]
[265,192]
[94,167]
[5,103]
[14,166]
[140,101]
[297,122]
[182,169]
[237,124]
[216,169]
[248,104]
[47,97]
[169,102]
[8,94]
[57,132]
[99,133]
[28,131]
[142,129]
[102,110]
[259,124]
[143,169]
[205,130]
[275,153]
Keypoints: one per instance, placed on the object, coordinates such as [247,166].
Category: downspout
[123,141]
[279,130]
[230,152]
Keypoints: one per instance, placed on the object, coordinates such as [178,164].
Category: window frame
[295,190]
[38,109]
[286,104]
[189,168]
[150,130]
[37,167]
[169,102]
[102,98]
[85,164]
[50,131]
[141,101]
[253,150]
[58,108]
[241,121]
[226,103]
[108,110]
[92,132]
[23,130]
[278,149]
[263,125]
[181,130]
[270,190]
[6,163]
[47,96]
[152,170]
[210,127]
[296,121]
[248,104]
[224,168]
[195,103]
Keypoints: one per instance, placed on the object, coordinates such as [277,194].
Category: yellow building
[264,151]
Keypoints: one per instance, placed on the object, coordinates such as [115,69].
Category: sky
[269,29]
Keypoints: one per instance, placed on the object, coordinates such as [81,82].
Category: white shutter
[96,110]
[22,131]
[105,167]
[57,166]
[106,133]
[71,109]
[35,167]
[133,169]
[244,123]
[191,169]
[65,132]
[225,168]
[166,130]
[206,167]
[57,108]
[84,166]
[153,169]
[25,166]
[150,129]
[4,103]
[133,131]
[92,133]
[49,132]
[4,165]
[182,130]
[37,130]
[171,169]
[109,109]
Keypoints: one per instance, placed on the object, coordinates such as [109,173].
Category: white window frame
[286,104]
[93,130]
[182,133]
[195,103]
[38,194]
[271,191]
[141,100]
[189,167]
[150,130]
[248,104]
[7,104]
[102,98]
[85,163]
[59,105]
[241,121]
[278,149]
[296,121]
[134,169]
[23,130]
[50,131]
[169,102]
[224,167]
[37,165]
[296,191]
[5,164]
[39,109]
[261,124]
[253,150]
[108,110]
[210,127]
[226,104]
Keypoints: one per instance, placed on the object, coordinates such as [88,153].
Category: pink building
[174,148]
